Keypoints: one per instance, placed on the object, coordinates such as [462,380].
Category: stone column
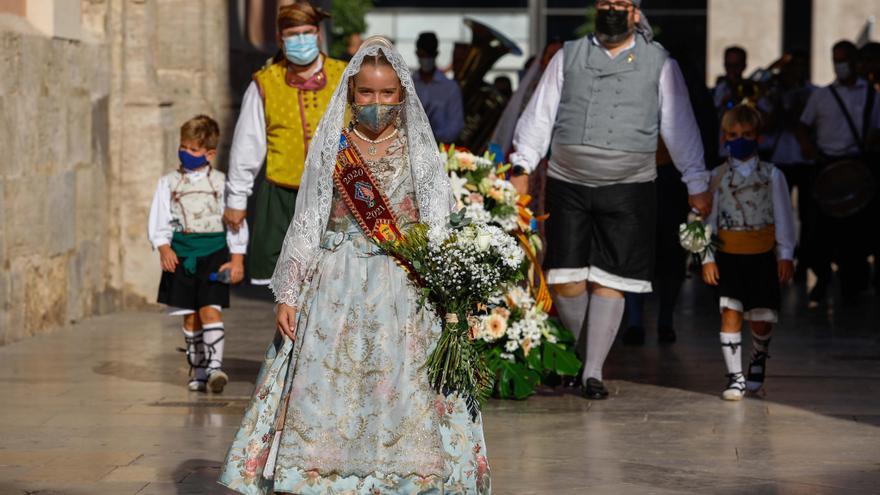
[756,25]
[140,120]
[834,20]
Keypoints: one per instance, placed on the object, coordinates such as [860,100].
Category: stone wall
[53,180]
[87,126]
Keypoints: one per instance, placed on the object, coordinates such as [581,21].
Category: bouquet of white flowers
[531,346]
[696,237]
[523,346]
[458,268]
[479,187]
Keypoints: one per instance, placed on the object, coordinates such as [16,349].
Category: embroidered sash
[359,189]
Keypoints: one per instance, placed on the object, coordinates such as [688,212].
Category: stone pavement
[101,408]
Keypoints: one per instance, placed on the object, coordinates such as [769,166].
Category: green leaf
[515,380]
[534,360]
[560,359]
[563,336]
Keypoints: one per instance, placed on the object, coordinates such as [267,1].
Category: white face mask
[842,70]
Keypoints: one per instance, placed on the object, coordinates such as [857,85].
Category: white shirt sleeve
[809,115]
[679,129]
[783,216]
[159,230]
[248,149]
[531,139]
[236,241]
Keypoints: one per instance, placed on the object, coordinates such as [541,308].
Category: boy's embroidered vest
[745,211]
[292,116]
[197,207]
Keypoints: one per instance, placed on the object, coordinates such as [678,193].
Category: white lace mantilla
[313,202]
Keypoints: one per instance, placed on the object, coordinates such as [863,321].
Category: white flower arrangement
[696,237]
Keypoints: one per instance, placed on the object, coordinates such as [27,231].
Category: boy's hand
[235,265]
[168,258]
[710,273]
[285,320]
[786,271]
[233,218]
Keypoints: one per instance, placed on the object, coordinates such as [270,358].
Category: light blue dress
[359,415]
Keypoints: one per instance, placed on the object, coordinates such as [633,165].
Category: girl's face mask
[376,116]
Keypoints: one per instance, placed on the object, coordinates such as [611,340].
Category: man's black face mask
[612,25]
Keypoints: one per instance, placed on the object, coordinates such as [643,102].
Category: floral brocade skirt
[347,405]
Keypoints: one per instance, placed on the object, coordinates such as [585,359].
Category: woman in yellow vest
[280,112]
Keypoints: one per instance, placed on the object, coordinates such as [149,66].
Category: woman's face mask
[301,49]
[376,117]
[376,97]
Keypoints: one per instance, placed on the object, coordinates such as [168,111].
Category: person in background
[787,99]
[504,86]
[440,96]
[869,63]
[672,210]
[730,87]
[842,116]
[279,115]
[869,69]
[532,71]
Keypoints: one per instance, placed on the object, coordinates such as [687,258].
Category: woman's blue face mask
[301,49]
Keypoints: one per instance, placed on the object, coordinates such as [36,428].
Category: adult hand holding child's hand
[233,218]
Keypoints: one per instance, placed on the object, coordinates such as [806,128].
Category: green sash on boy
[190,247]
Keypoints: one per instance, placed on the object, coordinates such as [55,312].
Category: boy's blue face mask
[191,162]
[742,148]
[301,49]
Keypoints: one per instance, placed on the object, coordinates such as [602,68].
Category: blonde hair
[201,129]
[744,115]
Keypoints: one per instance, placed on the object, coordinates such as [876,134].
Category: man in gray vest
[600,108]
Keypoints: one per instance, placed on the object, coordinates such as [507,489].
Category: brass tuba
[483,105]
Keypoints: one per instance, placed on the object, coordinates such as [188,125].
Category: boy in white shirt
[752,213]
[199,258]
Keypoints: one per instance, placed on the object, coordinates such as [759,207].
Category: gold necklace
[371,150]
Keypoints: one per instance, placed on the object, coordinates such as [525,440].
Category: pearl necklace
[371,150]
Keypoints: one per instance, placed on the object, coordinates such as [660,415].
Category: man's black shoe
[634,336]
[594,390]
[666,335]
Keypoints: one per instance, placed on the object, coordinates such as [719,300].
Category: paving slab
[102,407]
